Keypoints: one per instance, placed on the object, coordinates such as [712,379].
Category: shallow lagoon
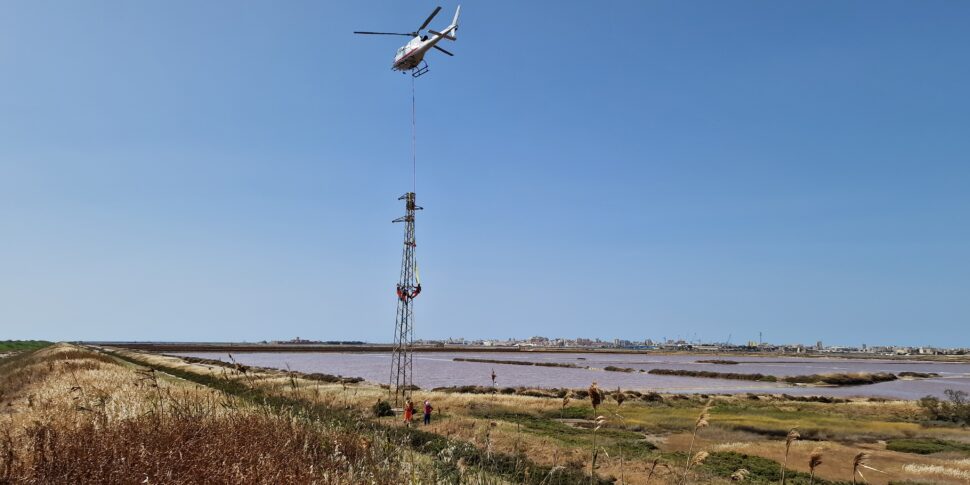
[437,369]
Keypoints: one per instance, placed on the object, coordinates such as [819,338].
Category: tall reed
[814,460]
[792,436]
[858,462]
[595,396]
[702,422]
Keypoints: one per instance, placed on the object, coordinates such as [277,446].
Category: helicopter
[410,57]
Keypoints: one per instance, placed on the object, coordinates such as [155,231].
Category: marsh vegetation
[832,379]
[222,417]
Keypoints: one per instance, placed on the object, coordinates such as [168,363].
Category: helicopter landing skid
[421,70]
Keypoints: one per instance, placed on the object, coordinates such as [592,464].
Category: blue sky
[224,171]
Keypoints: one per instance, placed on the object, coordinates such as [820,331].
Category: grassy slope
[21,345]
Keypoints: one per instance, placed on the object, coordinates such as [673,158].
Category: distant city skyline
[539,342]
[212,171]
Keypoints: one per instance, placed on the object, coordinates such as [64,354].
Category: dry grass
[736,424]
[235,448]
[938,471]
[74,416]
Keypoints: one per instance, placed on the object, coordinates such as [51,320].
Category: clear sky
[227,170]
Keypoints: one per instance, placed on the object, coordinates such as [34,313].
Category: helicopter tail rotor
[449,32]
[454,24]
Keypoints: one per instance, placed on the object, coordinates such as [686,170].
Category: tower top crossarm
[410,205]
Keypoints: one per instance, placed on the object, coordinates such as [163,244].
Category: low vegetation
[613,368]
[918,375]
[759,470]
[926,446]
[842,379]
[713,375]
[835,379]
[718,362]
[519,362]
[955,408]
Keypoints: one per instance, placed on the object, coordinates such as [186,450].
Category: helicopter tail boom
[451,30]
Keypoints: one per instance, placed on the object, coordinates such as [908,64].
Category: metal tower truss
[408,287]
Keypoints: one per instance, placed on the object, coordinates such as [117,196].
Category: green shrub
[926,446]
[762,470]
[382,408]
[956,408]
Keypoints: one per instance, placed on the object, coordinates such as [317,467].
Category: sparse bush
[956,408]
[382,408]
[918,375]
[718,362]
[761,470]
[517,362]
[612,368]
[926,446]
[843,379]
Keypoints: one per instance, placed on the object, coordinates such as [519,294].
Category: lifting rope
[405,293]
[414,129]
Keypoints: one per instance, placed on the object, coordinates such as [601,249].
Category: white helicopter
[410,57]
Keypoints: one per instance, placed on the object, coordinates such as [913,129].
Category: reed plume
[619,397]
[858,462]
[814,460]
[792,436]
[862,461]
[702,422]
[595,396]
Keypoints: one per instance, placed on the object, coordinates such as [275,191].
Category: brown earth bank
[163,419]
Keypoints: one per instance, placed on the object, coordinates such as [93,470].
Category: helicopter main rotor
[416,33]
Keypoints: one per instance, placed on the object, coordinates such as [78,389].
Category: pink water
[437,369]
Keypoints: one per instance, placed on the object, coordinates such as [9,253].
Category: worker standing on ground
[427,413]
[408,412]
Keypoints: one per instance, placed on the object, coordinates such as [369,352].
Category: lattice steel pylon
[408,287]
